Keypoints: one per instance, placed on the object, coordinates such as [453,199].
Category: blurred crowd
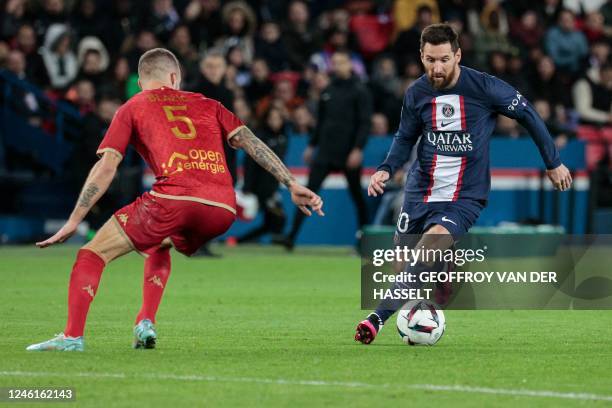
[253,55]
[274,63]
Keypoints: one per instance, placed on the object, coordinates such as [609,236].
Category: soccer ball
[420,322]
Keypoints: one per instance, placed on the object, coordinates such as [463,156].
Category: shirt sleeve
[230,124]
[509,102]
[119,133]
[408,133]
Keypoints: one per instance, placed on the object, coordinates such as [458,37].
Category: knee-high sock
[84,280]
[156,273]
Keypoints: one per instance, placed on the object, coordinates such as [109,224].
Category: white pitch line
[516,392]
[321,383]
[44,374]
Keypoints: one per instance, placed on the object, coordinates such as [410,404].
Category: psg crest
[448,110]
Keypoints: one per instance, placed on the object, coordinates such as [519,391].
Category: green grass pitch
[259,327]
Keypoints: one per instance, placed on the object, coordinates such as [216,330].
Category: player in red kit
[180,135]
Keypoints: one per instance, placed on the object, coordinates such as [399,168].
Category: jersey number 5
[172,117]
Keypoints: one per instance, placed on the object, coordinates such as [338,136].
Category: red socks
[156,273]
[85,277]
[84,281]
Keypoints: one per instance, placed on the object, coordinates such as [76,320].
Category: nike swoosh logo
[444,124]
[448,220]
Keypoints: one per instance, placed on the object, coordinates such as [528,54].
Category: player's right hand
[304,198]
[560,177]
[377,183]
[60,236]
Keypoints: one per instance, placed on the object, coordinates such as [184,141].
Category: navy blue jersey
[455,126]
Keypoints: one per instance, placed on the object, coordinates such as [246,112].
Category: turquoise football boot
[145,335]
[59,343]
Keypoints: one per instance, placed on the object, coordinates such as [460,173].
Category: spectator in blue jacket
[565,44]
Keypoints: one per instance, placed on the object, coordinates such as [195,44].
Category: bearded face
[441,64]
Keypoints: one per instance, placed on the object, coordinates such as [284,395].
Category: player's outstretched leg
[368,329]
[437,237]
[84,280]
[107,245]
[156,274]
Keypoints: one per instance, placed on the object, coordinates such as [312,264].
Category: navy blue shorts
[456,216]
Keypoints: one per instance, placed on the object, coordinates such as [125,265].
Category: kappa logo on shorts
[156,281]
[89,290]
[123,218]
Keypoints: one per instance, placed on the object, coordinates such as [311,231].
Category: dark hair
[437,34]
[266,117]
[271,109]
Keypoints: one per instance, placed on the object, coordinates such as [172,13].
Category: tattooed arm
[98,181]
[266,158]
[263,155]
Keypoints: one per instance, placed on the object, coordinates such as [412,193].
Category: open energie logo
[196,159]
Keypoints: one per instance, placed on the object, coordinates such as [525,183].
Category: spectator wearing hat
[93,60]
[60,61]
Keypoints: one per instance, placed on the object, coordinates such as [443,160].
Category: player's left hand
[304,198]
[560,177]
[60,236]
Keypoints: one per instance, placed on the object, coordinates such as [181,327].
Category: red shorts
[149,220]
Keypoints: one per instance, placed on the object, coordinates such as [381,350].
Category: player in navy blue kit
[453,109]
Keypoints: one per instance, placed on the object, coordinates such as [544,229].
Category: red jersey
[180,135]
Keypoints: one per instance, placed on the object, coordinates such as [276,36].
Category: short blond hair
[156,62]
